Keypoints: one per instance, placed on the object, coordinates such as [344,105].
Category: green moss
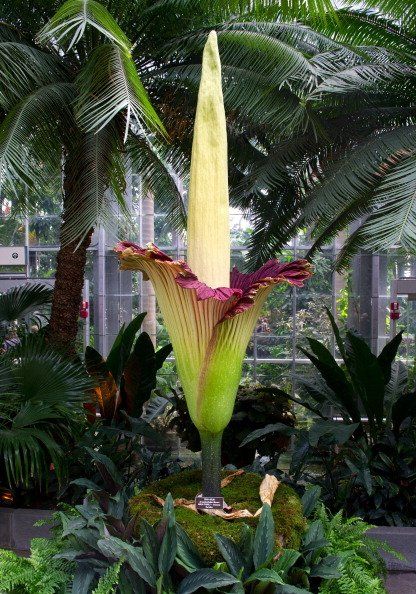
[241,493]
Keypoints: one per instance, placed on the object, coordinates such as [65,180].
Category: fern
[40,573]
[362,566]
[108,582]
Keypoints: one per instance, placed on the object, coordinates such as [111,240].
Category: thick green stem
[211,463]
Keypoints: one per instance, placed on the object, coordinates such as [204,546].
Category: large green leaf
[328,569]
[209,579]
[169,544]
[187,554]
[388,354]
[264,538]
[139,375]
[121,349]
[149,543]
[335,378]
[339,431]
[367,376]
[231,554]
[269,576]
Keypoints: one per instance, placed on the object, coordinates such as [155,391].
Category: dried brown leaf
[228,479]
[268,488]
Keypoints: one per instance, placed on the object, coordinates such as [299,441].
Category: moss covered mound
[241,493]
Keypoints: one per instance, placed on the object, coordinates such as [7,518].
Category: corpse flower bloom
[210,313]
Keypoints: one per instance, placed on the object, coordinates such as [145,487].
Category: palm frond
[159,168]
[269,231]
[69,23]
[36,373]
[391,212]
[402,11]
[393,221]
[41,396]
[357,174]
[9,32]
[109,84]
[363,26]
[18,302]
[219,11]
[251,50]
[29,139]
[98,168]
[23,69]
[363,78]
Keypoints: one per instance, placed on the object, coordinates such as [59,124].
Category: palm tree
[74,104]
[70,97]
[355,157]
[375,183]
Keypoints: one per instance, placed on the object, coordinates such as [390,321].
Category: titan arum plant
[209,312]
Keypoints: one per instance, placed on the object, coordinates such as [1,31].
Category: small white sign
[12,256]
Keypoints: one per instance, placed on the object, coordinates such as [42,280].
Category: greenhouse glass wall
[359,298]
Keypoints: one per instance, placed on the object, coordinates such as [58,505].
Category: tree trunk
[67,295]
[70,264]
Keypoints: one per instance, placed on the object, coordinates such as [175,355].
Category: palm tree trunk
[70,268]
[67,295]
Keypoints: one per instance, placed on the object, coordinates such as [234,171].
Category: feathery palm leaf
[401,10]
[35,119]
[360,171]
[363,26]
[159,168]
[69,24]
[23,69]
[219,11]
[108,84]
[100,167]
[377,181]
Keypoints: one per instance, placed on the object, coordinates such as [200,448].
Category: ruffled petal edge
[244,287]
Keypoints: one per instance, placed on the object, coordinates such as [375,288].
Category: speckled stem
[211,463]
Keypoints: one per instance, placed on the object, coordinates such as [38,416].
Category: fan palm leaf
[41,396]
[18,302]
